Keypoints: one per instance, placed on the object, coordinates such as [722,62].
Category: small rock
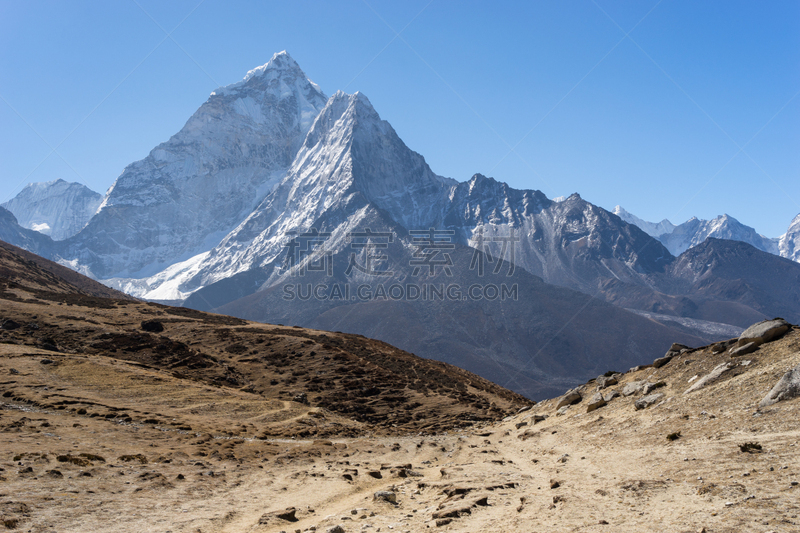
[788,387]
[538,418]
[650,387]
[570,398]
[385,495]
[748,348]
[301,398]
[611,395]
[633,387]
[606,381]
[647,401]
[711,377]
[661,361]
[335,529]
[562,410]
[595,402]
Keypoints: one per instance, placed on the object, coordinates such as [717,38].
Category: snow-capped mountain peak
[56,208]
[230,154]
[651,228]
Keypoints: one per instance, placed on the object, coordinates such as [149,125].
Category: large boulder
[633,387]
[765,331]
[788,387]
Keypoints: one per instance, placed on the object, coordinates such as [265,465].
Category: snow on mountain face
[351,162]
[193,189]
[571,243]
[789,244]
[651,228]
[56,208]
[694,231]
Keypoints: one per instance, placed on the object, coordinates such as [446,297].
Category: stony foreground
[675,465]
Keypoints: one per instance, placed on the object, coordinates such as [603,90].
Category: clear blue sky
[543,95]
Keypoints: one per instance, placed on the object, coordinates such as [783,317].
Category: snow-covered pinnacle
[651,228]
[281,61]
[281,66]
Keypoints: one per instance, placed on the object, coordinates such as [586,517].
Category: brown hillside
[199,428]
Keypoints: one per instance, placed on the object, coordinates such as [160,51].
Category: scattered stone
[606,381]
[287,515]
[570,398]
[462,507]
[386,496]
[562,411]
[647,401]
[633,387]
[710,378]
[748,348]
[661,361]
[611,395]
[335,529]
[520,424]
[554,484]
[301,398]
[46,361]
[443,522]
[788,387]
[765,331]
[650,387]
[375,473]
[595,402]
[538,418]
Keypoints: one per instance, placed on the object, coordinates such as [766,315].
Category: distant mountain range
[276,203]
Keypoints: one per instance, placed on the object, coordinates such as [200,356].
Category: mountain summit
[193,189]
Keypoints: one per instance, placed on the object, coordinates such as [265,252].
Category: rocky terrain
[121,415]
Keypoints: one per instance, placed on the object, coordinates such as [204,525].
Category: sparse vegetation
[750,447]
